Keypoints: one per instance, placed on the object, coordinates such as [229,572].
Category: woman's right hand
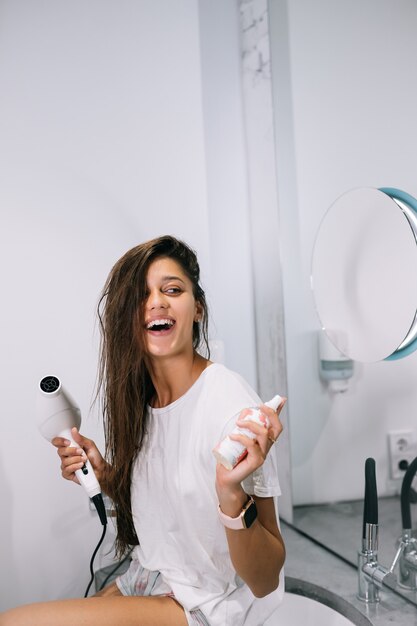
[73,459]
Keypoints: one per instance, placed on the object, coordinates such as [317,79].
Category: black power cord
[101,510]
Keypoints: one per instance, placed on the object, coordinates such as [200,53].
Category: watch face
[250,515]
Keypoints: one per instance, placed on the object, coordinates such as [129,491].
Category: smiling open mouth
[160,325]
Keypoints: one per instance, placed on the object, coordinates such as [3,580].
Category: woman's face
[170,310]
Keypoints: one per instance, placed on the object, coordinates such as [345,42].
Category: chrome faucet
[407,550]
[371,575]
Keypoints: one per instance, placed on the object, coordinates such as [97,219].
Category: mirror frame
[408,206]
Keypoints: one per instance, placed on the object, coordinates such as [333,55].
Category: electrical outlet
[402,450]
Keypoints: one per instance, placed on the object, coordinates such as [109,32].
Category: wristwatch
[245,518]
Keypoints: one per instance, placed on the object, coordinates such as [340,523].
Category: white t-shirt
[174,502]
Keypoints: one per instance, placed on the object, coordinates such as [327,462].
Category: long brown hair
[124,384]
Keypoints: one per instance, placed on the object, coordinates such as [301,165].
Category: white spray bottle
[229,452]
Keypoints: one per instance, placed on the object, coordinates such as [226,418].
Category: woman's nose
[156,300]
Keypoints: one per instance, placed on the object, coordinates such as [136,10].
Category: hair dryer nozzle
[56,411]
[50,384]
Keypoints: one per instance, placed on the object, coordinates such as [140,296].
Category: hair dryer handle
[88,479]
[85,475]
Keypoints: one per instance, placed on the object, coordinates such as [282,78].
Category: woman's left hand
[257,448]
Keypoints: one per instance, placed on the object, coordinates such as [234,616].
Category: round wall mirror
[364,274]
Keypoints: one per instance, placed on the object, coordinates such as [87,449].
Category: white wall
[345,102]
[226,182]
[103,121]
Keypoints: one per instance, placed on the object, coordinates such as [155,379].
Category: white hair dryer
[57,413]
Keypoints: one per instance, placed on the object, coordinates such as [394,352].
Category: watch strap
[245,518]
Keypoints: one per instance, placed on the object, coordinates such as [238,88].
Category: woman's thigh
[106,610]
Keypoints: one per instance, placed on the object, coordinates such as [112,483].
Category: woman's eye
[173,290]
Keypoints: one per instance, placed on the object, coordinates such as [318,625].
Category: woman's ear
[198,312]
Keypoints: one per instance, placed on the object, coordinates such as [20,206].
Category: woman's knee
[13,617]
[4,621]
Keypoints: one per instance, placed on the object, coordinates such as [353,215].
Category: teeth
[160,322]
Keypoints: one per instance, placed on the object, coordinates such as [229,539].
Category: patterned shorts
[138,581]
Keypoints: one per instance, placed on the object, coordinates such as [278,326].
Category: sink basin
[296,610]
[311,605]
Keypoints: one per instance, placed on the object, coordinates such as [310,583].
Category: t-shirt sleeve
[264,482]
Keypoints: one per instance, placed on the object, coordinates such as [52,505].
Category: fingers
[60,442]
[68,472]
[68,454]
[256,443]
[78,438]
[257,449]
[74,453]
[263,436]
[257,429]
[276,427]
[72,459]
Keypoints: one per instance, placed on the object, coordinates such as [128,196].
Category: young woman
[165,408]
